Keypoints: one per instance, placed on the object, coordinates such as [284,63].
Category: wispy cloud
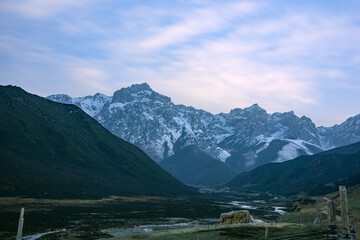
[95,78]
[198,22]
[40,8]
[215,55]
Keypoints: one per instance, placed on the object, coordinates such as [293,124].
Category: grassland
[235,231]
[86,219]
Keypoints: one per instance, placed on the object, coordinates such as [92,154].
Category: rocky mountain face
[243,138]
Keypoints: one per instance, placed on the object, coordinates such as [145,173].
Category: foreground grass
[315,207]
[236,231]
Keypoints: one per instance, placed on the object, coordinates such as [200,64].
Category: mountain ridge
[160,128]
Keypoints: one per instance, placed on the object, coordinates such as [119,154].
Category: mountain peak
[139,87]
[63,98]
[236,111]
[305,118]
[126,94]
[254,107]
[138,92]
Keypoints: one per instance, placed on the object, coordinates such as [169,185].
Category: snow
[242,205]
[142,94]
[183,122]
[175,134]
[280,133]
[115,106]
[92,105]
[258,221]
[223,155]
[205,122]
[259,201]
[261,139]
[279,210]
[325,145]
[291,150]
[220,137]
[170,144]
[247,207]
[39,235]
[148,116]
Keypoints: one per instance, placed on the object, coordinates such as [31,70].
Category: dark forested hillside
[49,149]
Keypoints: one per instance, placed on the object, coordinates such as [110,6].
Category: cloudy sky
[216,55]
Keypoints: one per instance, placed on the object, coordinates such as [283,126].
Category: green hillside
[54,150]
[317,174]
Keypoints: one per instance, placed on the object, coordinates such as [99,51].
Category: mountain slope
[243,138]
[193,166]
[49,149]
[308,174]
[346,133]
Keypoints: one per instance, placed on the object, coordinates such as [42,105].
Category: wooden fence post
[266,233]
[344,211]
[21,225]
[332,228]
[352,231]
[331,213]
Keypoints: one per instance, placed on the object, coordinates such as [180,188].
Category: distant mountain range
[243,138]
[315,175]
[55,150]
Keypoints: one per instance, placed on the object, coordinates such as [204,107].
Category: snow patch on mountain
[92,105]
[223,154]
[293,149]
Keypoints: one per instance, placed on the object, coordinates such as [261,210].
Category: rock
[235,217]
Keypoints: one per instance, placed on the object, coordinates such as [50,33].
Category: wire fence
[309,235]
[336,233]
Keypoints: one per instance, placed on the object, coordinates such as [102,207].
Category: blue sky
[215,55]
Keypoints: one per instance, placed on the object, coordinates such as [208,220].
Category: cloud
[40,8]
[94,78]
[214,55]
[197,22]
[280,62]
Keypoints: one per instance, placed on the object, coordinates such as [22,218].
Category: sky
[299,55]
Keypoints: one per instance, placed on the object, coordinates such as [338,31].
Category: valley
[121,216]
[171,218]
[76,180]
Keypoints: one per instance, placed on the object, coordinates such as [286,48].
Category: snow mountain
[242,138]
[92,105]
